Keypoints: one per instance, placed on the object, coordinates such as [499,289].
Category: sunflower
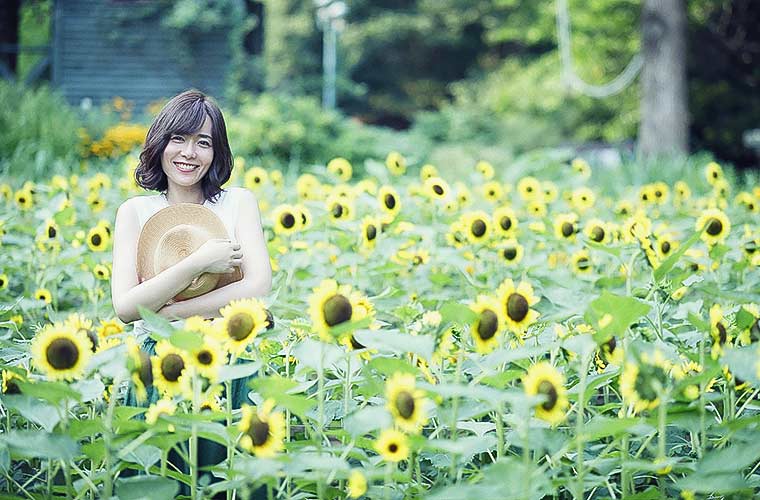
[718,331]
[581,167]
[212,400]
[746,200]
[340,168]
[140,368]
[641,384]
[597,231]
[661,192]
[263,430]
[331,305]
[303,215]
[544,379]
[109,327]
[24,199]
[529,188]
[536,208]
[357,484]
[612,352]
[242,321]
[515,305]
[95,201]
[436,188]
[392,445]
[255,177]
[6,192]
[682,192]
[582,262]
[646,194]
[716,226]
[396,163]
[389,200]
[511,252]
[713,173]
[208,358]
[566,226]
[751,333]
[44,295]
[492,191]
[478,226]
[160,408]
[582,199]
[370,230]
[485,169]
[624,207]
[9,385]
[405,402]
[101,272]
[98,238]
[339,208]
[428,171]
[308,187]
[170,373]
[505,221]
[3,281]
[488,324]
[463,194]
[50,229]
[81,323]
[61,352]
[550,191]
[285,219]
[665,244]
[456,236]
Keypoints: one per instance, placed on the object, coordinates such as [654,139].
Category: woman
[187,158]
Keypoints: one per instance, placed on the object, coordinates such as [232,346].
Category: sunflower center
[611,345]
[722,334]
[437,189]
[172,366]
[547,389]
[258,431]
[393,447]
[583,263]
[62,354]
[488,324]
[665,247]
[478,228]
[270,320]
[95,239]
[287,220]
[647,381]
[240,326]
[517,307]
[714,227]
[371,232]
[510,253]
[567,229]
[405,404]
[205,357]
[390,201]
[597,234]
[337,210]
[93,337]
[146,371]
[51,232]
[505,223]
[336,310]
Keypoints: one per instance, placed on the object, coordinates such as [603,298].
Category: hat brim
[169,217]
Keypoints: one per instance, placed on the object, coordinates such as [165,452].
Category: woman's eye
[205,143]
[178,138]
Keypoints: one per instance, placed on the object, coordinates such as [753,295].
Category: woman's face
[187,158]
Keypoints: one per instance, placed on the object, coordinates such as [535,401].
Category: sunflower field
[542,329]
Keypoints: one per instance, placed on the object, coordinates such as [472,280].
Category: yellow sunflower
[44,295]
[536,208]
[396,163]
[713,173]
[566,226]
[208,358]
[263,429]
[544,379]
[109,327]
[716,226]
[436,188]
[405,402]
[3,281]
[492,191]
[597,230]
[255,177]
[370,230]
[718,331]
[478,226]
[505,221]
[98,238]
[583,199]
[339,208]
[285,219]
[428,171]
[81,323]
[160,408]
[392,445]
[61,352]
[140,369]
[642,383]
[357,484]
[340,168]
[9,385]
[24,199]
[101,272]
[242,321]
[551,193]
[170,370]
[582,262]
[751,333]
[463,194]
[308,187]
[581,167]
[488,324]
[529,188]
[331,305]
[485,169]
[665,245]
[516,305]
[511,252]
[389,200]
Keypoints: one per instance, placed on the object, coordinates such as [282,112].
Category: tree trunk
[664,108]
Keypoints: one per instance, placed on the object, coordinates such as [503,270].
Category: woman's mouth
[185,167]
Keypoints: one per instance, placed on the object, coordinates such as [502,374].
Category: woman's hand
[217,256]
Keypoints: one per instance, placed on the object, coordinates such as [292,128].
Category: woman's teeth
[185,167]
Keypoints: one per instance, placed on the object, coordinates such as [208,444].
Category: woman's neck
[180,194]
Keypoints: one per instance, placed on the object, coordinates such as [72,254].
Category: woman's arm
[257,271]
[126,292]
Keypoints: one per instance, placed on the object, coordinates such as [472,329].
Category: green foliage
[39,131]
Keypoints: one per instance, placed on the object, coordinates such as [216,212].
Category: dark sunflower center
[722,334]
[405,404]
[356,344]
[517,307]
[172,366]
[205,358]
[658,193]
[597,234]
[95,239]
[665,247]
[240,326]
[12,387]
[505,223]
[437,189]
[270,320]
[390,201]
[611,345]
[491,192]
[337,210]
[393,447]
[371,232]
[257,180]
[146,369]
[567,229]
[583,264]
[478,228]
[488,324]
[304,220]
[258,431]
[287,220]
[22,199]
[337,309]
[510,253]
[93,337]
[62,354]
[2,282]
[547,389]
[714,227]
[51,232]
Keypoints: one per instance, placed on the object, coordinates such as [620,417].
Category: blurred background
[441,81]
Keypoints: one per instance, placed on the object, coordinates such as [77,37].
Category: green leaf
[349,326]
[668,263]
[622,310]
[601,426]
[146,487]
[186,340]
[278,388]
[465,447]
[238,370]
[64,215]
[36,444]
[698,322]
[366,420]
[717,484]
[41,413]
[159,326]
[54,392]
[454,312]
[744,319]
[389,366]
[743,363]
[397,343]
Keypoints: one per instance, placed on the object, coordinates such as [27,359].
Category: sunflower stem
[228,418]
[320,411]
[702,416]
[455,414]
[579,423]
[107,436]
[194,440]
[499,431]
[388,480]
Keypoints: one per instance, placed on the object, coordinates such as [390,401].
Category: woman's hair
[184,114]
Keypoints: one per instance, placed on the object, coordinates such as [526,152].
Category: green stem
[702,412]
[320,412]
[498,418]
[194,439]
[388,480]
[228,418]
[579,424]
[107,437]
[455,414]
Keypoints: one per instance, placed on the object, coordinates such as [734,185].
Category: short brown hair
[185,114]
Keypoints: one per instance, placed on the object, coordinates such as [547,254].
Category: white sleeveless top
[226,207]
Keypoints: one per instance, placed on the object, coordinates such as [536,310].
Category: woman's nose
[189,150]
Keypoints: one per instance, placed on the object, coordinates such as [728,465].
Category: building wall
[100,53]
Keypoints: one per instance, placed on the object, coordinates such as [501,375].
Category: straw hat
[172,234]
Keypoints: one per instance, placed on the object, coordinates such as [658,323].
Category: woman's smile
[185,167]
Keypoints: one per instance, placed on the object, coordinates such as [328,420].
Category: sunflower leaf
[36,444]
[139,487]
[53,392]
[668,263]
[396,342]
[187,340]
[159,326]
[454,312]
[612,314]
[41,413]
[280,388]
